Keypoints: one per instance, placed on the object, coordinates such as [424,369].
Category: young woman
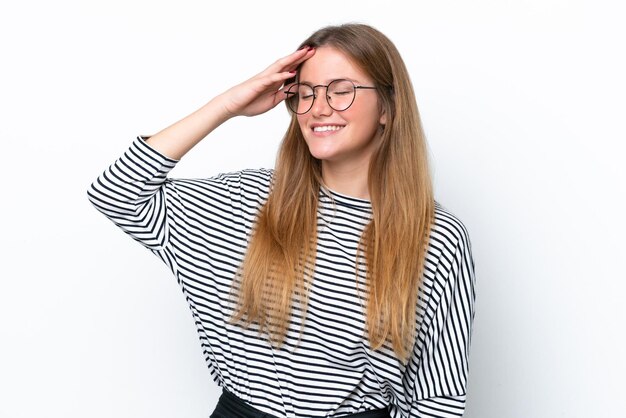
[333,285]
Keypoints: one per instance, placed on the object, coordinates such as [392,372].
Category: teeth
[327,128]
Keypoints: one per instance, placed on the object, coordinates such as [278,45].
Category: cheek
[366,116]
[302,121]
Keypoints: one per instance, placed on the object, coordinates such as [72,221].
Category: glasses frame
[288,92]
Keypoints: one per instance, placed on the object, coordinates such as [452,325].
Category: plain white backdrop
[523,103]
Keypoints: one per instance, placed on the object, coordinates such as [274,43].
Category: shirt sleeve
[198,225]
[130,194]
[438,369]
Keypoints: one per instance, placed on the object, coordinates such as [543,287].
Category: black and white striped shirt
[200,229]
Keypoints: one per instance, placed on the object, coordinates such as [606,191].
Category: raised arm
[252,97]
[132,191]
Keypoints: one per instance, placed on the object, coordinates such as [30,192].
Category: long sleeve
[130,193]
[199,228]
[438,370]
[196,225]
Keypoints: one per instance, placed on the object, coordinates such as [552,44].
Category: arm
[252,97]
[134,191]
[131,193]
[438,370]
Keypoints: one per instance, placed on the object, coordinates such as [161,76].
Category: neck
[349,180]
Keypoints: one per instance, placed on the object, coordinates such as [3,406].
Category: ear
[383,118]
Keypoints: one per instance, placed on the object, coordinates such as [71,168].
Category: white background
[523,103]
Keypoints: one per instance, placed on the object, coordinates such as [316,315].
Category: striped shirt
[200,228]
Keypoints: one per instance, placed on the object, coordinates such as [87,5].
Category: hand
[265,90]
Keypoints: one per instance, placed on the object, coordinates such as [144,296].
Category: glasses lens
[300,98]
[341,94]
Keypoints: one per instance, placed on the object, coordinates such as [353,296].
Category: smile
[327,128]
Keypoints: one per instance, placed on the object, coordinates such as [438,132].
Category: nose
[320,104]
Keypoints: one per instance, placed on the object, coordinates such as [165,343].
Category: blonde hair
[279,262]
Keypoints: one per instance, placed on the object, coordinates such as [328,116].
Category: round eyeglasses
[340,95]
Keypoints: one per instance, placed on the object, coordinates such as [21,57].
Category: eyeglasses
[340,95]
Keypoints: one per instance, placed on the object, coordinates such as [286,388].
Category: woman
[333,285]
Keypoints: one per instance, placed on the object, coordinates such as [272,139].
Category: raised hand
[252,97]
[265,90]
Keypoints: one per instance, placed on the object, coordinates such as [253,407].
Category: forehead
[328,64]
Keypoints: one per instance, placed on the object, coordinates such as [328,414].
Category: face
[348,137]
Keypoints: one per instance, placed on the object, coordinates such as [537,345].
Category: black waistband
[230,406]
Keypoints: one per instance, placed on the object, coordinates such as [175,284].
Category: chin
[320,154]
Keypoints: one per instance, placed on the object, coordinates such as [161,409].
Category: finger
[275,79]
[281,94]
[291,61]
[299,61]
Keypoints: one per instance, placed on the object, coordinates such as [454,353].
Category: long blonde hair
[279,262]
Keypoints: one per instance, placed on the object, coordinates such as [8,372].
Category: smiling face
[347,138]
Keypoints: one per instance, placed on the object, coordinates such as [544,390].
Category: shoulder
[251,177]
[248,185]
[448,234]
